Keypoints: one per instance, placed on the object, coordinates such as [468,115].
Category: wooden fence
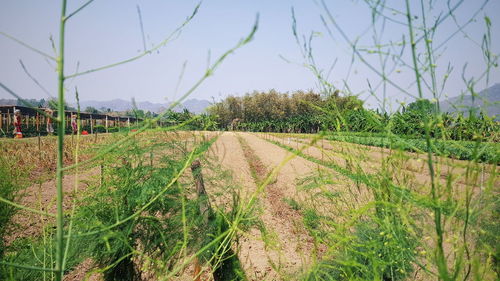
[32,118]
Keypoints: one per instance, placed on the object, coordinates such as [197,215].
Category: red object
[134,130]
[85,132]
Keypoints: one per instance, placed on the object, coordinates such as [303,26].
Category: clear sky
[108,31]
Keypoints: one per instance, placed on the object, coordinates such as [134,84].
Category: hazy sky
[108,31]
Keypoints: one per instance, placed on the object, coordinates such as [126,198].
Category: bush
[361,120]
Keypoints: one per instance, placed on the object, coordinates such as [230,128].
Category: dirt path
[295,248]
[251,248]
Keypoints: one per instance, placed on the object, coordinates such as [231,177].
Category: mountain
[193,105]
[487,100]
[196,106]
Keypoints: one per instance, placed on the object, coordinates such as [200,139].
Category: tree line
[310,112]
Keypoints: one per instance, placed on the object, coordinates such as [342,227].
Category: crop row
[463,150]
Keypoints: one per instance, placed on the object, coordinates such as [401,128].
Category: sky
[108,31]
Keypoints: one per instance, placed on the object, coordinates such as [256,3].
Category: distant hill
[193,105]
[487,100]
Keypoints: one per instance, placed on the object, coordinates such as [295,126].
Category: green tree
[92,110]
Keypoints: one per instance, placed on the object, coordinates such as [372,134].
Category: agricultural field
[273,207]
[384,169]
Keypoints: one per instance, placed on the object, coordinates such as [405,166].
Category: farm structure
[32,117]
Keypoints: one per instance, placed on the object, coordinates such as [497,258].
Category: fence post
[205,208]
[101,166]
[91,125]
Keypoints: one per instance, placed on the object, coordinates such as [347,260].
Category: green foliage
[311,220]
[127,189]
[309,112]
[90,109]
[362,120]
[465,150]
[9,188]
[376,250]
[306,112]
[99,129]
[292,203]
[23,251]
[489,234]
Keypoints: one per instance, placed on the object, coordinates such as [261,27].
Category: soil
[285,247]
[42,197]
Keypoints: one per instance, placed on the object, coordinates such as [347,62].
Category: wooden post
[205,208]
[106,123]
[37,122]
[102,172]
[91,125]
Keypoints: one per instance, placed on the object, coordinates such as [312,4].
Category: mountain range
[488,101]
[193,105]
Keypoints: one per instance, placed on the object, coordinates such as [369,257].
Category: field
[277,207]
[385,170]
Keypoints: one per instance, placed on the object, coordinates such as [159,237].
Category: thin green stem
[26,208]
[27,46]
[60,149]
[145,52]
[430,58]
[440,257]
[27,266]
[78,10]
